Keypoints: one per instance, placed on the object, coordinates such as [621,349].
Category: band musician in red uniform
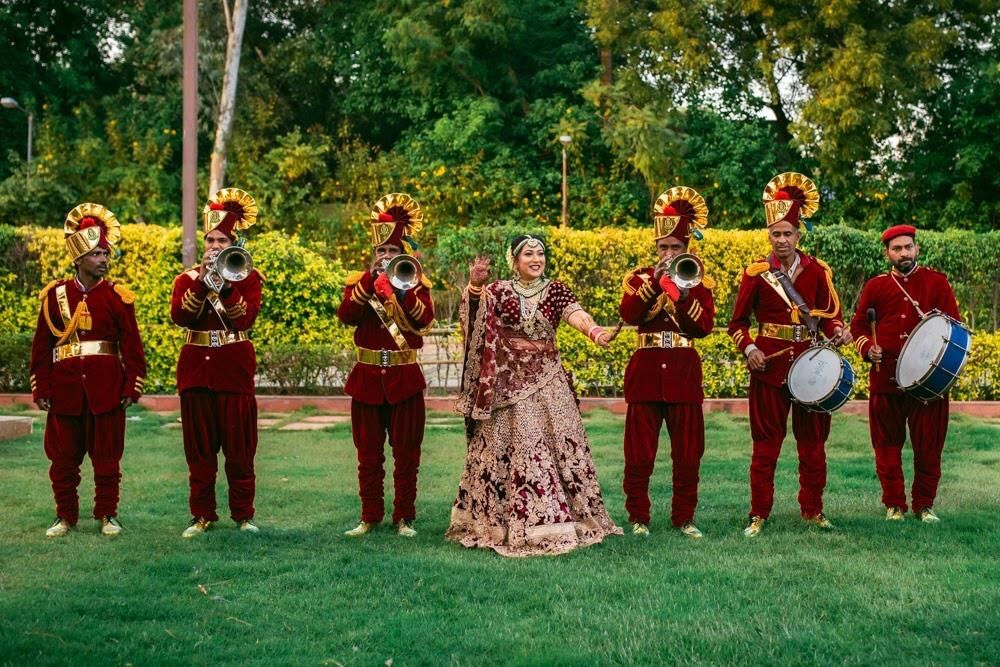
[893,298]
[386,385]
[215,370]
[87,367]
[791,295]
[663,380]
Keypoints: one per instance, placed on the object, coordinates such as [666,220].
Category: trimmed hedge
[302,347]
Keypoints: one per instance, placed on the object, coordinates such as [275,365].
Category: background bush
[302,347]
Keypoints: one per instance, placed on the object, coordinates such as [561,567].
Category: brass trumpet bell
[231,264]
[404,272]
[686,270]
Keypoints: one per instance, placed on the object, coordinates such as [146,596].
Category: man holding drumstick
[895,298]
[791,295]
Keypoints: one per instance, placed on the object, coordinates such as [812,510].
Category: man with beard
[87,367]
[892,295]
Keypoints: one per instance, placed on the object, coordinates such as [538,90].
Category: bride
[529,486]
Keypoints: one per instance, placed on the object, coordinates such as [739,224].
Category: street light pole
[11,103]
[565,140]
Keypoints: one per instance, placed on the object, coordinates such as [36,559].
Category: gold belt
[794,332]
[664,339]
[386,358]
[84,349]
[216,338]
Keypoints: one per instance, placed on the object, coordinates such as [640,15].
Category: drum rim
[809,404]
[937,360]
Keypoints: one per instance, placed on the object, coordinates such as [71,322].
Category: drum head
[814,375]
[922,349]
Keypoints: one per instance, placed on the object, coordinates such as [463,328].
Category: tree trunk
[227,101]
[607,66]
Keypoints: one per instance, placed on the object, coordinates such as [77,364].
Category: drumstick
[777,354]
[871,321]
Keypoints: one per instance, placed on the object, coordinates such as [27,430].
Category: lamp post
[11,103]
[565,140]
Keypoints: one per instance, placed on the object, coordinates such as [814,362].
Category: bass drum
[821,380]
[933,357]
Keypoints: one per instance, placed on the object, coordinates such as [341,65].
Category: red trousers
[888,415]
[769,407]
[686,427]
[404,424]
[212,421]
[67,439]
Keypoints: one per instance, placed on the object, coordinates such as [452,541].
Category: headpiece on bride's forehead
[520,243]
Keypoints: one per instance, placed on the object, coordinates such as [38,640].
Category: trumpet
[686,270]
[231,264]
[404,272]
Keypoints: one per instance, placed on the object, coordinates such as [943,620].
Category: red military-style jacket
[99,380]
[757,298]
[375,385]
[669,375]
[896,317]
[228,368]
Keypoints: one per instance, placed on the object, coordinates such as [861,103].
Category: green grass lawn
[301,593]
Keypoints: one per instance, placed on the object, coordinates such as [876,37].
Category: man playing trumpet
[386,385]
[217,303]
[671,304]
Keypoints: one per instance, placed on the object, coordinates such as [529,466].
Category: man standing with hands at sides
[215,370]
[87,367]
[663,379]
[386,385]
[890,298]
[791,295]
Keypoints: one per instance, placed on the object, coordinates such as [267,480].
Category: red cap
[399,216]
[898,230]
[685,212]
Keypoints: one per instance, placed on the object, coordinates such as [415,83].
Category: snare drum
[820,379]
[933,357]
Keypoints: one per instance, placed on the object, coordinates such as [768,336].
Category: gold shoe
[640,529]
[406,529]
[198,526]
[359,530]
[110,526]
[820,521]
[928,516]
[59,528]
[894,514]
[248,526]
[754,526]
[691,530]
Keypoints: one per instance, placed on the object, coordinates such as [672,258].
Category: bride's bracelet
[595,332]
[474,291]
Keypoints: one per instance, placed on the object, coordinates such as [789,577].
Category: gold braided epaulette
[127,295]
[425,281]
[757,268]
[708,282]
[354,278]
[824,265]
[45,290]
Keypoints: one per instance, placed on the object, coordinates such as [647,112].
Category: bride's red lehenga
[529,486]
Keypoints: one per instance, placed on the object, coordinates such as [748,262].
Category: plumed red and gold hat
[679,212]
[230,210]
[89,226]
[790,197]
[394,219]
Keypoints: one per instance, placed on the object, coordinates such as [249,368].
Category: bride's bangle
[595,332]
[474,291]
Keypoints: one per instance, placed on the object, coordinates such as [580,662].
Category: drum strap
[388,323]
[796,299]
[914,302]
